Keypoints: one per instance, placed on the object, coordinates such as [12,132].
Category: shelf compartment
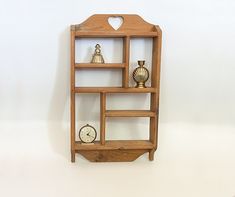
[106,65]
[129,113]
[114,90]
[116,145]
[114,34]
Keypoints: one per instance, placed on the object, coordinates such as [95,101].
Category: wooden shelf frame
[117,150]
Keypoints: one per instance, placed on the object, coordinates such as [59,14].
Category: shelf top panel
[132,25]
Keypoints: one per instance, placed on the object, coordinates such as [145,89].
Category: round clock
[87,134]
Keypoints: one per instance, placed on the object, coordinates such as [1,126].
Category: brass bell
[97,58]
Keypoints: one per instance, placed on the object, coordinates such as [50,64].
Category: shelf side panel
[72,78]
[154,105]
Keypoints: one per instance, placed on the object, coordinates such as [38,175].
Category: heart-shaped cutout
[115,22]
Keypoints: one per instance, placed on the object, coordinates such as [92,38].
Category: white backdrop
[197,111]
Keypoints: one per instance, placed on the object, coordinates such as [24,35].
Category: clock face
[87,134]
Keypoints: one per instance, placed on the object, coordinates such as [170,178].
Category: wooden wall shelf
[133,26]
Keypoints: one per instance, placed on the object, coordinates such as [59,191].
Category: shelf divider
[102,117]
[126,54]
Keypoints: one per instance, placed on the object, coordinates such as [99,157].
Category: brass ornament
[140,75]
[97,57]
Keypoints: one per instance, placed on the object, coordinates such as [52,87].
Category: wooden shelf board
[129,113]
[116,145]
[114,90]
[106,65]
[114,34]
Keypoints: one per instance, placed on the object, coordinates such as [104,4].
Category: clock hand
[90,135]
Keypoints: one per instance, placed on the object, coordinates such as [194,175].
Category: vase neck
[141,63]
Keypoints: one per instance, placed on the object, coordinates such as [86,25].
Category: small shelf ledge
[114,90]
[114,34]
[106,65]
[116,145]
[129,113]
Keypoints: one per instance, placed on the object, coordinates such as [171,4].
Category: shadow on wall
[58,115]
